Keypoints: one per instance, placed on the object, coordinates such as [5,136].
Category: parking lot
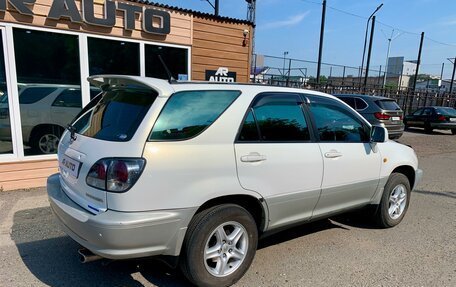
[343,251]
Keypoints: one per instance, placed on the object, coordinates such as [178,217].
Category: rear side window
[277,118]
[446,111]
[116,115]
[188,113]
[360,104]
[70,98]
[349,101]
[33,95]
[388,105]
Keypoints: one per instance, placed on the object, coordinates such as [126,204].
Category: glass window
[249,131]
[389,105]
[46,64]
[280,118]
[187,114]
[174,58]
[34,94]
[349,101]
[6,146]
[116,115]
[360,104]
[70,98]
[427,112]
[446,111]
[336,123]
[418,112]
[113,57]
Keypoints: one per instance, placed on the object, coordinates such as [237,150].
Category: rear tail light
[382,116]
[115,175]
[441,118]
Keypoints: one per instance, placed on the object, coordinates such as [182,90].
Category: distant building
[399,71]
[435,85]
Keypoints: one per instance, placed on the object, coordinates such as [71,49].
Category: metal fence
[338,79]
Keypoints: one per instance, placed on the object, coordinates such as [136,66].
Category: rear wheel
[395,201]
[219,246]
[45,140]
[427,128]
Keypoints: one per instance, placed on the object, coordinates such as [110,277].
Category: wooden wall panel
[180,33]
[26,174]
[217,44]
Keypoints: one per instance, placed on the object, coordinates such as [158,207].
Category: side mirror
[379,134]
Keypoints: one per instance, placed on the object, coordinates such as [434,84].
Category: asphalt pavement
[345,250]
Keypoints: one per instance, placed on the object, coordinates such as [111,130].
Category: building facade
[48,48]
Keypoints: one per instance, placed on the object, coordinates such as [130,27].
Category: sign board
[222,75]
[154,21]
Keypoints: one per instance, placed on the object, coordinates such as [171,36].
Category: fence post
[289,69]
[254,68]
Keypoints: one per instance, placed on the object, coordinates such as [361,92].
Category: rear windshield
[389,105]
[116,114]
[446,111]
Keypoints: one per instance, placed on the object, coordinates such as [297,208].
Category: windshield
[446,111]
[116,114]
[389,105]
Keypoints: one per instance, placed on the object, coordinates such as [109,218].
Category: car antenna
[170,76]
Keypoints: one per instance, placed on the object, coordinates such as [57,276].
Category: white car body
[291,182]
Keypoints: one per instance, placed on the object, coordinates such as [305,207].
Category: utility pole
[452,76]
[369,51]
[391,38]
[441,76]
[322,31]
[251,17]
[284,55]
[418,62]
[365,40]
[216,8]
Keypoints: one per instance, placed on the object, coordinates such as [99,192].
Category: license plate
[70,166]
[452,119]
[396,118]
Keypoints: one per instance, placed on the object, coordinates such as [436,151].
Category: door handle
[253,157]
[333,154]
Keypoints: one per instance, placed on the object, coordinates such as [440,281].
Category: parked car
[198,171]
[46,110]
[379,111]
[429,118]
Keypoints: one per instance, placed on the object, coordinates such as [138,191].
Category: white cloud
[290,21]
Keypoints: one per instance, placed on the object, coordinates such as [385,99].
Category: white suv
[199,171]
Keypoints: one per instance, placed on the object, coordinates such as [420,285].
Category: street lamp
[284,55]
[391,38]
[365,37]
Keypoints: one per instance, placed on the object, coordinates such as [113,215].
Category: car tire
[44,140]
[406,126]
[209,255]
[453,131]
[395,201]
[427,128]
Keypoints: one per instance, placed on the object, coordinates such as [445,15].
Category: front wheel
[395,201]
[219,246]
[453,131]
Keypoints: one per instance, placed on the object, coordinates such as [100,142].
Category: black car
[429,118]
[379,111]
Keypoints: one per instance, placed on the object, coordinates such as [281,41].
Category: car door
[66,106]
[277,157]
[425,117]
[351,166]
[414,119]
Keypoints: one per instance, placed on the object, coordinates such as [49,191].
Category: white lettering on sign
[222,75]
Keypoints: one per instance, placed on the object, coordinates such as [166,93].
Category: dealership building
[48,48]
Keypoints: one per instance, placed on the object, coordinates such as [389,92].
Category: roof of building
[194,12]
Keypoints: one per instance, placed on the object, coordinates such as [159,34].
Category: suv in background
[200,171]
[46,110]
[379,111]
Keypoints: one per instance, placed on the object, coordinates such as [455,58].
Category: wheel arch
[39,127]
[408,171]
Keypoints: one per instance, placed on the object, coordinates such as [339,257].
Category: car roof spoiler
[105,81]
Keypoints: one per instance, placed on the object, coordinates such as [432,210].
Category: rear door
[351,167]
[277,157]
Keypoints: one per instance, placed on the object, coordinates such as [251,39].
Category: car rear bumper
[120,235]
[443,126]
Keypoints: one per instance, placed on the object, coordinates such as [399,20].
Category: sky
[294,26]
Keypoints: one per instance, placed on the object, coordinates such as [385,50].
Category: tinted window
[427,112]
[117,115]
[336,123]
[249,131]
[389,105]
[186,114]
[33,95]
[418,112]
[446,111]
[6,146]
[349,101]
[113,57]
[175,59]
[70,98]
[360,104]
[280,118]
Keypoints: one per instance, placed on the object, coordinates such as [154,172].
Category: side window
[70,98]
[360,104]
[335,123]
[34,94]
[186,114]
[418,112]
[279,118]
[427,112]
[349,101]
